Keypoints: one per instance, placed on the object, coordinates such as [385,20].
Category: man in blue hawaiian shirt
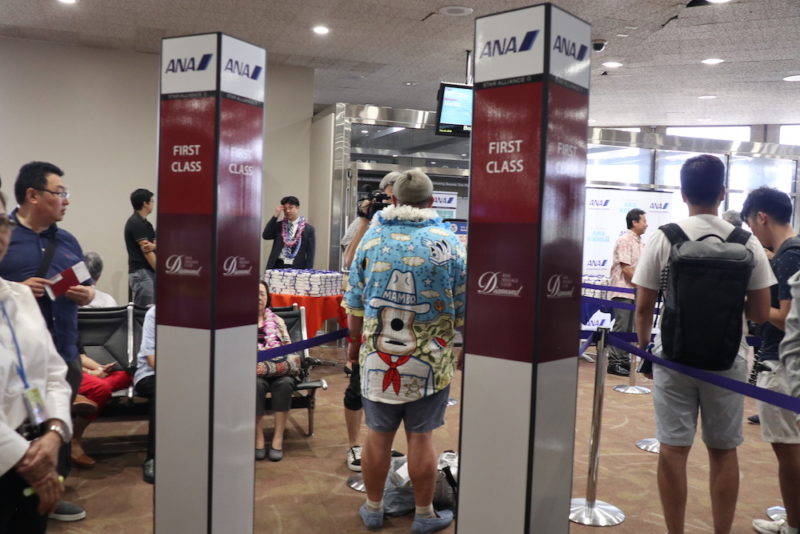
[405,299]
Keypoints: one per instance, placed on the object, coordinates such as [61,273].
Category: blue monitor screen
[455,110]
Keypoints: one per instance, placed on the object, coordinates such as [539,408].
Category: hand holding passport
[60,283]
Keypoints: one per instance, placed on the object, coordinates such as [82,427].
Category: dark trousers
[74,378]
[146,387]
[281,388]
[623,322]
[18,513]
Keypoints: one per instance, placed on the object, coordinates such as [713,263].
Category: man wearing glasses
[39,250]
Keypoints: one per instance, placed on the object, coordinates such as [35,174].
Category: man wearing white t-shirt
[678,398]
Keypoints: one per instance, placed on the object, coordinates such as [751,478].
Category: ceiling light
[70,2]
[612,64]
[719,1]
[433,163]
[703,120]
[631,27]
[410,84]
[395,155]
[792,78]
[712,61]
[364,131]
[455,11]
[707,97]
[463,155]
[622,35]
[320,30]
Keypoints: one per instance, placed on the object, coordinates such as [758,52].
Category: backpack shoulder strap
[674,233]
[738,236]
[791,243]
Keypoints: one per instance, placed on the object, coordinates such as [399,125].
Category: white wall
[93,112]
[321,202]
[287,139]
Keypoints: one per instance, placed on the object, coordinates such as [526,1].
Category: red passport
[75,275]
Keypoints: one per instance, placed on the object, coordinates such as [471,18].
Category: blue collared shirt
[22,261]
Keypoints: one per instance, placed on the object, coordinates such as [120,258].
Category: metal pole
[590,511]
[632,388]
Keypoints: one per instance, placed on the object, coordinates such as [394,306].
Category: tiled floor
[307,491]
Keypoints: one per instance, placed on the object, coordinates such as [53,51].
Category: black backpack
[704,298]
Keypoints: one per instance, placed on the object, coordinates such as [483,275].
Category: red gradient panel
[187,148]
[184,262]
[504,216]
[562,224]
[186,156]
[238,212]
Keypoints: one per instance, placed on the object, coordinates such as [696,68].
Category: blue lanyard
[20,366]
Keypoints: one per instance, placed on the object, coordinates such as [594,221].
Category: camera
[598,45]
[377,201]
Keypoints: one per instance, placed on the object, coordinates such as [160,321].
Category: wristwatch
[62,431]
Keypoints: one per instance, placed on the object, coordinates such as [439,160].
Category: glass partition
[628,165]
[748,173]
[669,163]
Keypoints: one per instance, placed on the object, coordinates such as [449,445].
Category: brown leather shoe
[81,459]
[83,407]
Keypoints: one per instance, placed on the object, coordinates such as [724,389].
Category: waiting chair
[305,392]
[113,335]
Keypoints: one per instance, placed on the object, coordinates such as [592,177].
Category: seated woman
[277,376]
[97,385]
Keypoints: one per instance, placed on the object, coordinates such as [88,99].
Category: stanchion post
[776,513]
[632,388]
[590,511]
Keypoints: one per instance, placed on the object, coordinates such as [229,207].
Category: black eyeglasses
[60,194]
[6,222]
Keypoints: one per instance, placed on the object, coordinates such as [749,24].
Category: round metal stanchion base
[356,482]
[601,514]
[632,390]
[776,513]
[649,445]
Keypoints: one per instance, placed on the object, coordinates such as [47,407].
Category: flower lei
[291,245]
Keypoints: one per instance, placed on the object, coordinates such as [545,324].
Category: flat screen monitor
[454,112]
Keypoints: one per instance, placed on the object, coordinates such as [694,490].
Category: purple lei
[291,245]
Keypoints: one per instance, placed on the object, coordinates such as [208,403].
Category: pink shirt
[627,250]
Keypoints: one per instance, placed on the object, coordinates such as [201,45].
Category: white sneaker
[765,526]
[354,458]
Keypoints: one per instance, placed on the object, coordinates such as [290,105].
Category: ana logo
[597,264]
[508,45]
[240,68]
[570,48]
[599,203]
[188,64]
[181,264]
[659,206]
[597,322]
[499,284]
[559,286]
[236,266]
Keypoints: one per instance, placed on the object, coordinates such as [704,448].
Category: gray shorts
[677,399]
[420,416]
[777,425]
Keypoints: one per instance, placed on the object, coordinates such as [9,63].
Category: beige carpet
[307,491]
